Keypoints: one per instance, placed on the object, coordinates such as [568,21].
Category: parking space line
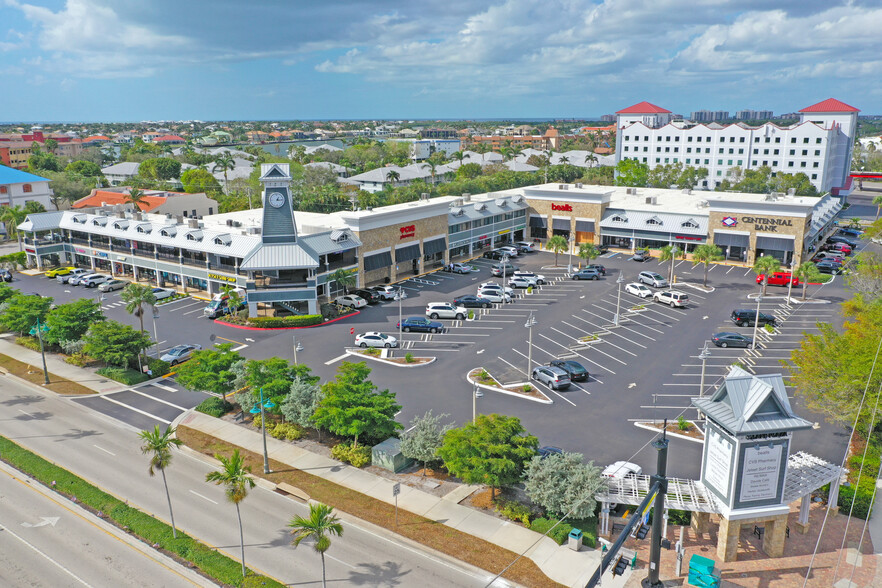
[183,306]
[164,387]
[138,410]
[512,365]
[181,408]
[336,359]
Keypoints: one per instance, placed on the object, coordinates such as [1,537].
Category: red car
[779,279]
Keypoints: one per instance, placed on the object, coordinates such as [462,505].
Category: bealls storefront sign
[769,225]
[562,207]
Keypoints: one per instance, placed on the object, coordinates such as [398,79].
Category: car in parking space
[163,293]
[553,377]
[828,266]
[850,232]
[436,310]
[746,318]
[525,247]
[351,300]
[472,301]
[672,298]
[419,324]
[840,248]
[520,283]
[538,278]
[548,451]
[495,295]
[461,268]
[654,279]
[494,285]
[112,285]
[77,273]
[574,369]
[180,353]
[586,274]
[493,254]
[369,296]
[5,275]
[843,239]
[833,256]
[503,269]
[779,278]
[94,280]
[641,255]
[59,271]
[375,339]
[509,250]
[77,280]
[596,266]
[384,292]
[731,340]
[641,290]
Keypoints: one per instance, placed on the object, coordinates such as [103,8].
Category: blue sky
[87,60]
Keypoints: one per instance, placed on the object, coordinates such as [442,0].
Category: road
[48,541]
[106,452]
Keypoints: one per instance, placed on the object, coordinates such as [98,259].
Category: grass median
[34,374]
[186,550]
[435,535]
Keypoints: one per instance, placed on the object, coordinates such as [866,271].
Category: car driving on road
[59,271]
[506,269]
[641,255]
[112,285]
[180,353]
[586,274]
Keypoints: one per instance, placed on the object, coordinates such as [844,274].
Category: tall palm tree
[588,251]
[297,153]
[590,159]
[877,200]
[136,296]
[392,176]
[159,446]
[135,197]
[458,155]
[558,244]
[706,254]
[12,216]
[670,252]
[431,165]
[764,266]
[236,477]
[321,524]
[343,278]
[807,272]
[224,162]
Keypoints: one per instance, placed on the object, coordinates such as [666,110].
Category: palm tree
[431,165]
[12,216]
[558,244]
[670,252]
[877,200]
[159,445]
[764,266]
[590,159]
[855,222]
[234,300]
[807,272]
[706,254]
[588,251]
[236,476]
[322,523]
[458,155]
[136,296]
[297,153]
[224,162]
[343,278]
[392,176]
[135,197]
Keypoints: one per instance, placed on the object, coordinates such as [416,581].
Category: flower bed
[269,323]
[406,361]
[172,298]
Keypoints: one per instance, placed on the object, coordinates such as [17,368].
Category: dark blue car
[419,324]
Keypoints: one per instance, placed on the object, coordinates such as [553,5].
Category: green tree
[706,254]
[22,311]
[114,343]
[630,172]
[344,279]
[135,197]
[234,299]
[273,374]
[392,176]
[12,216]
[670,253]
[159,445]
[6,293]
[558,244]
[865,276]
[491,450]
[765,265]
[458,156]
[300,404]
[160,168]
[807,272]
[297,153]
[351,407]
[588,251]
[51,145]
[136,296]
[69,186]
[84,168]
[70,321]
[563,484]
[469,171]
[210,370]
[32,206]
[199,180]
[423,438]
[321,524]
[44,161]
[236,478]
[225,163]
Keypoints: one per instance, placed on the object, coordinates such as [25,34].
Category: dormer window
[99,221]
[654,221]
[339,236]
[121,225]
[194,236]
[168,232]
[619,219]
[223,240]
[457,211]
[689,224]
[145,229]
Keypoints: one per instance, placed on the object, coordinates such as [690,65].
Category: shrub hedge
[357,456]
[17,258]
[559,533]
[216,407]
[140,524]
[158,368]
[300,320]
[31,343]
[126,376]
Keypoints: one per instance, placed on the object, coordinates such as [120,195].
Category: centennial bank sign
[768,225]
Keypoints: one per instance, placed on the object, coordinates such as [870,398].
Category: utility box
[575,539]
[702,572]
[388,455]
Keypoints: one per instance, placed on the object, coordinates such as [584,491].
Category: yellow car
[59,271]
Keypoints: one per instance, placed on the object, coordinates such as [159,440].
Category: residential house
[17,188]
[155,201]
[121,173]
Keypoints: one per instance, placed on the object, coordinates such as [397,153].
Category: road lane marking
[239,348]
[164,387]
[192,311]
[104,450]
[181,408]
[202,497]
[138,410]
[27,413]
[37,550]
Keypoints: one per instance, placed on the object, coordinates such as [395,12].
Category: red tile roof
[644,108]
[830,105]
[168,138]
[96,138]
[148,204]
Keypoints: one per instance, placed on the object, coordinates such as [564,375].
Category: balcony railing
[224,267]
[169,256]
[78,241]
[193,262]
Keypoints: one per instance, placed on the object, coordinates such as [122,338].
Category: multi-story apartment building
[754,114]
[819,144]
[709,115]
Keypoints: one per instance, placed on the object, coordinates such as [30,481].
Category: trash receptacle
[575,539]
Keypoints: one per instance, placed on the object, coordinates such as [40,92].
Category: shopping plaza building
[284,258]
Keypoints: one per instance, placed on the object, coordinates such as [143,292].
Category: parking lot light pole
[504,261]
[703,356]
[759,299]
[155,332]
[531,322]
[297,347]
[476,393]
[401,295]
[790,284]
[674,252]
[619,281]
[255,410]
[572,240]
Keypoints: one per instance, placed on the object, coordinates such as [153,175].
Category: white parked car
[671,297]
[375,339]
[385,292]
[73,275]
[509,250]
[494,285]
[351,300]
[436,310]
[640,290]
[495,295]
[94,280]
[76,280]
[461,268]
[520,283]
[535,278]
[525,246]
[163,293]
[112,285]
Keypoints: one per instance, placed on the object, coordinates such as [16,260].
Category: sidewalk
[83,376]
[559,563]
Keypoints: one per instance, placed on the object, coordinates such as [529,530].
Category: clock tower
[278,209]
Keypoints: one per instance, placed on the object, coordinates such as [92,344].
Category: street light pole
[266,469]
[400,296]
[674,252]
[703,356]
[790,284]
[529,324]
[572,240]
[759,299]
[155,332]
[297,347]
[42,352]
[619,281]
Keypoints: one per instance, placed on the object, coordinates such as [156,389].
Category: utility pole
[660,445]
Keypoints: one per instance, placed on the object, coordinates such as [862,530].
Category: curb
[640,425]
[509,393]
[247,328]
[393,363]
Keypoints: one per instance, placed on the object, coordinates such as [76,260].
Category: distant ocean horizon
[132,122]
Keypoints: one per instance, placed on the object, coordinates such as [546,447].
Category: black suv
[746,318]
[369,295]
[494,254]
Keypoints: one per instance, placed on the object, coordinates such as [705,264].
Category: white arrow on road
[249,340]
[46,521]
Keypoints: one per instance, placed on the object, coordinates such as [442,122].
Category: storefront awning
[377,260]
[560,224]
[538,222]
[731,240]
[584,226]
[434,246]
[774,243]
[407,253]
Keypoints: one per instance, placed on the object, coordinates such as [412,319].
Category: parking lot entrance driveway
[146,405]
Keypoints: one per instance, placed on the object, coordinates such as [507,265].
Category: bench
[293,491]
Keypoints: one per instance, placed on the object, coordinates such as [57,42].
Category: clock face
[276,199]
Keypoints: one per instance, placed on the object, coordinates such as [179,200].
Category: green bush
[514,510]
[286,431]
[158,368]
[679,517]
[329,310]
[31,343]
[300,320]
[126,376]
[78,359]
[17,258]
[408,357]
[340,452]
[257,421]
[589,530]
[559,533]
[682,423]
[214,406]
[862,498]
[358,456]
